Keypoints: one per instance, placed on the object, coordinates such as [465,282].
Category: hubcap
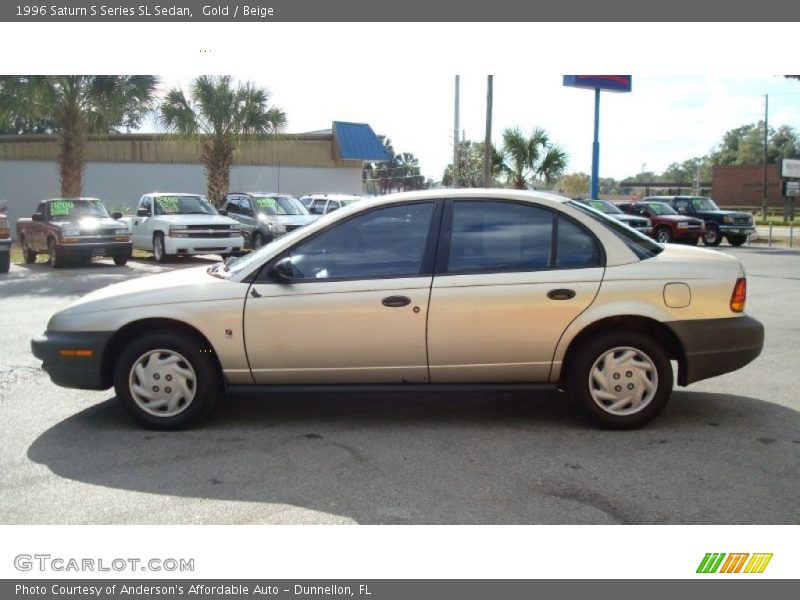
[158,249]
[623,381]
[162,383]
[711,236]
[663,236]
[258,241]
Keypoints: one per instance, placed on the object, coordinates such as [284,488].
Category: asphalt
[724,451]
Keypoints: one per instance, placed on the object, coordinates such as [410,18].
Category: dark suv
[734,226]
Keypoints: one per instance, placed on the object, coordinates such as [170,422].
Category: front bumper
[58,351]
[84,250]
[190,245]
[712,347]
[736,229]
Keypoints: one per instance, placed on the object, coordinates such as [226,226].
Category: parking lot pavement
[725,450]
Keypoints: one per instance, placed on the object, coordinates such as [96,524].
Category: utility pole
[456,136]
[596,147]
[487,142]
[766,130]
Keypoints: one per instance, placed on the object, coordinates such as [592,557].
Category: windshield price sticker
[169,204]
[61,208]
[266,202]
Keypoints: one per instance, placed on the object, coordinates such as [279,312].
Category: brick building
[743,185]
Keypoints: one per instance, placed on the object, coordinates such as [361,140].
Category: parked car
[325,203]
[257,217]
[5,244]
[668,225]
[287,209]
[438,289]
[640,224]
[171,224]
[733,226]
[73,229]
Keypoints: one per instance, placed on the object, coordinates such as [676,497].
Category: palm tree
[219,114]
[533,157]
[72,107]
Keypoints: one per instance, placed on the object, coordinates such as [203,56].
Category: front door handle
[561,294]
[396,301]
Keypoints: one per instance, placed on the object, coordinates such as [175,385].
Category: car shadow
[480,458]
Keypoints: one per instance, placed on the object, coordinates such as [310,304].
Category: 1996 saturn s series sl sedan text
[421,290]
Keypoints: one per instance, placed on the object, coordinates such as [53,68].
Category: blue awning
[357,141]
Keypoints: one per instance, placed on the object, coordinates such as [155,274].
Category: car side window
[245,207]
[233,204]
[639,210]
[148,204]
[499,236]
[576,248]
[386,242]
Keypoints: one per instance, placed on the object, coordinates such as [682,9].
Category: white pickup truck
[169,224]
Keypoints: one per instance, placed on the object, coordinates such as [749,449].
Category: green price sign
[266,202]
[168,204]
[61,208]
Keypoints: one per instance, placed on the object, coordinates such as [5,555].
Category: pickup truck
[5,244]
[68,229]
[171,224]
[734,226]
[668,225]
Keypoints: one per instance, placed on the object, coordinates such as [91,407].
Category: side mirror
[282,270]
[223,212]
[116,215]
[38,217]
[143,212]
[682,210]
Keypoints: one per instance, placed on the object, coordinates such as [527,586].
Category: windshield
[62,210]
[183,205]
[659,208]
[280,205]
[640,244]
[604,207]
[703,203]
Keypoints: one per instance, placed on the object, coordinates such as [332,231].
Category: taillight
[739,295]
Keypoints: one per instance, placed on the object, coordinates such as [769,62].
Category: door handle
[396,301]
[561,294]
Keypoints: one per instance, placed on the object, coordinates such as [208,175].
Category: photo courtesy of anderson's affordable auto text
[270,268]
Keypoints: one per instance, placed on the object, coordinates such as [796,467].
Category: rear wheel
[5,262]
[28,254]
[258,240]
[737,240]
[167,380]
[664,235]
[712,237]
[620,380]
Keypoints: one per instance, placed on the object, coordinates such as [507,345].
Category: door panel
[337,332]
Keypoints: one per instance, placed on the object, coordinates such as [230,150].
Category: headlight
[176,227]
[683,225]
[727,220]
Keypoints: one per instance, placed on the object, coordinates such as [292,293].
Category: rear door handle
[561,294]
[396,301]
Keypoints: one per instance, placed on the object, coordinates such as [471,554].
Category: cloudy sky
[399,78]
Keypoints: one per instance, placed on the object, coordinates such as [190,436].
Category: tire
[664,235]
[146,367]
[28,254]
[712,237]
[592,379]
[5,262]
[737,240]
[159,251]
[258,240]
[54,258]
[121,261]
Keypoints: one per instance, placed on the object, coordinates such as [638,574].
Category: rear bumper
[73,371]
[712,347]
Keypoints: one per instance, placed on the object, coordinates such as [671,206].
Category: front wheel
[159,251]
[737,240]
[54,258]
[167,380]
[664,235]
[620,380]
[712,237]
[258,240]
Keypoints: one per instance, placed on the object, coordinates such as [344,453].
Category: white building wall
[24,183]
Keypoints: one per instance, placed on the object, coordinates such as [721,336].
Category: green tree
[72,107]
[745,145]
[219,114]
[528,159]
[574,184]
[470,166]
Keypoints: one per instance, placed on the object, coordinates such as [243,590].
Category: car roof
[154,194]
[71,198]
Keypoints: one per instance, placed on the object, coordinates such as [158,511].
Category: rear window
[640,244]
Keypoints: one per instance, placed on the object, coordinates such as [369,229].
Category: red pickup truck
[73,229]
[5,244]
[668,225]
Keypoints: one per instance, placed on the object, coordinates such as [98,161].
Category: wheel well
[137,328]
[660,332]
